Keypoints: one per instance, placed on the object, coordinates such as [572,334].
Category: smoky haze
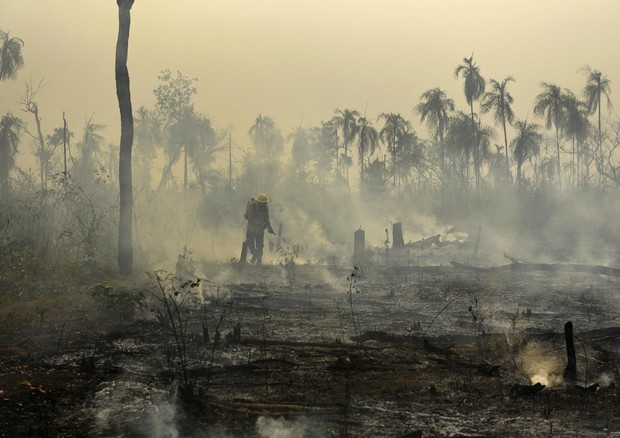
[292,60]
[296,64]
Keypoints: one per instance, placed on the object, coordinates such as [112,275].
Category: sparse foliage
[11,58]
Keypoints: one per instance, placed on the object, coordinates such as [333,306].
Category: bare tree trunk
[474,151]
[43,158]
[165,173]
[184,167]
[362,167]
[125,245]
[64,146]
[506,146]
[557,146]
[31,106]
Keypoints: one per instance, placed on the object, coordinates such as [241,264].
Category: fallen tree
[523,266]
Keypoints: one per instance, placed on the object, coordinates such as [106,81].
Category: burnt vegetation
[446,333]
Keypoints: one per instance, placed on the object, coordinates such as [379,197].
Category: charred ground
[309,350]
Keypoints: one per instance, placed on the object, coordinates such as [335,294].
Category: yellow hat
[262,198]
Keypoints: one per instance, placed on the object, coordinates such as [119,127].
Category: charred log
[518,390]
[519,266]
[425,243]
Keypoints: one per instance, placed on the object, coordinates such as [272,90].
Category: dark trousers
[255,241]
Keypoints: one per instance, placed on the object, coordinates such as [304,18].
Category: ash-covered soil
[312,351]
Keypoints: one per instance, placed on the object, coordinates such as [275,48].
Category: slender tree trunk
[506,146]
[394,157]
[600,136]
[337,160]
[43,159]
[346,162]
[165,173]
[443,174]
[557,146]
[362,169]
[185,167]
[573,164]
[475,146]
[125,244]
[64,144]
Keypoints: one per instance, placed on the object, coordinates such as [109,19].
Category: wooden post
[570,372]
[397,235]
[359,246]
[244,252]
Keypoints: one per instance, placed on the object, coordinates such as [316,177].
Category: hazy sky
[297,61]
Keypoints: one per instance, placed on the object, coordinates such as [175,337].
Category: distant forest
[473,156]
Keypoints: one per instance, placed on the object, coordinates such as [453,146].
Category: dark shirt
[257,215]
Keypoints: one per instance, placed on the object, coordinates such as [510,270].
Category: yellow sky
[297,61]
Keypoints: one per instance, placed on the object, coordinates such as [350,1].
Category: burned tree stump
[359,246]
[397,235]
[570,372]
[244,253]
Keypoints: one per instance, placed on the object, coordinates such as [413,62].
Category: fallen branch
[521,266]
[518,390]
[275,408]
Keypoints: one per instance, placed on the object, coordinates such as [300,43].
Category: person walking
[257,215]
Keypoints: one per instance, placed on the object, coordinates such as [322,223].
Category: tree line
[570,145]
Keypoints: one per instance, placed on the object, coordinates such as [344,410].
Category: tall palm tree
[11,58]
[84,167]
[61,137]
[204,145]
[597,86]
[368,140]
[409,154]
[149,136]
[264,136]
[525,145]
[267,140]
[185,132]
[484,136]
[577,127]
[10,130]
[500,100]
[550,105]
[458,145]
[435,108]
[326,148]
[301,140]
[346,121]
[473,86]
[148,130]
[394,128]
